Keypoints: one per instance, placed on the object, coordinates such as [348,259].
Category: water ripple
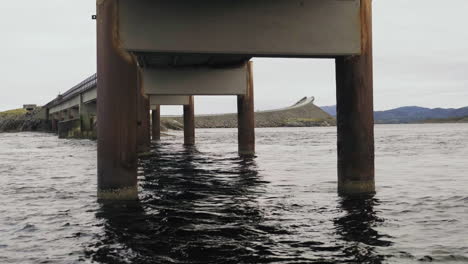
[206,205]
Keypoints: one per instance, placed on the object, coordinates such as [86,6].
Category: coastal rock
[21,120]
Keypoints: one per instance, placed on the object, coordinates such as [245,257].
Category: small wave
[28,228]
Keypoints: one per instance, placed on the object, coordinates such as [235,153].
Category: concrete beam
[156,100]
[73,102]
[196,81]
[273,28]
[90,95]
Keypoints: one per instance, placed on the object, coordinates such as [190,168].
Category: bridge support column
[117,110]
[144,136]
[246,117]
[189,123]
[156,123]
[87,112]
[54,123]
[355,120]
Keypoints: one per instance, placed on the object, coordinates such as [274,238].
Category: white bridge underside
[196,80]
[158,29]
[156,100]
[184,46]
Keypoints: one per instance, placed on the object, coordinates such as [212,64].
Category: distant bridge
[73,113]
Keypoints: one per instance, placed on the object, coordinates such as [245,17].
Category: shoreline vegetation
[446,120]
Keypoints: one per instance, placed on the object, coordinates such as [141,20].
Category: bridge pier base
[156,123]
[117,111]
[246,118]
[355,116]
[189,123]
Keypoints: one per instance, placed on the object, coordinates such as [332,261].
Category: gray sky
[420,57]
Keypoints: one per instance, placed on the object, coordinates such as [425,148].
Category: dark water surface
[205,205]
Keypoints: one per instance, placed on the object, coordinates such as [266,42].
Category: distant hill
[411,114]
[331,110]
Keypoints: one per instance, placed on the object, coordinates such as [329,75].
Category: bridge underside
[186,48]
[271,28]
[162,60]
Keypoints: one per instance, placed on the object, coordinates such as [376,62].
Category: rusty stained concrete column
[117,110]
[355,114]
[86,113]
[246,117]
[144,134]
[189,123]
[156,123]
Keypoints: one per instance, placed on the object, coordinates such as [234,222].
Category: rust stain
[366,24]
[141,87]
[116,39]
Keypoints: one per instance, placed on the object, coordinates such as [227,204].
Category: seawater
[206,205]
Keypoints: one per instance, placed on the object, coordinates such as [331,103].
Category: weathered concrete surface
[302,114]
[355,114]
[69,128]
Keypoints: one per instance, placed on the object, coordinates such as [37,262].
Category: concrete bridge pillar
[156,123]
[54,122]
[246,117]
[57,120]
[117,110]
[86,112]
[144,136]
[189,123]
[355,120]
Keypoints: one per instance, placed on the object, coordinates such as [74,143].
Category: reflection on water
[192,209]
[357,227]
[196,209]
[207,205]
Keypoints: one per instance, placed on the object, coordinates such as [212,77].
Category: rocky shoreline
[20,120]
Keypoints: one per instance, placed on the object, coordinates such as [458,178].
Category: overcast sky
[420,57]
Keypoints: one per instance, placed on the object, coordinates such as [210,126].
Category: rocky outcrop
[302,114]
[21,120]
